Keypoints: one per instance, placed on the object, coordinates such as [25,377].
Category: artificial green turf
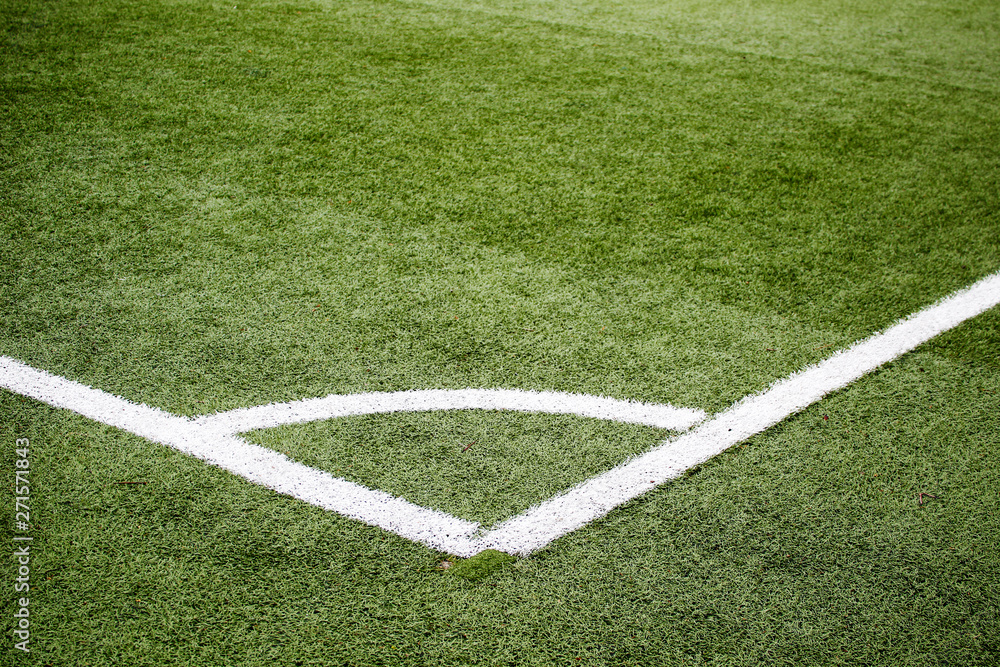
[601,212]
[955,43]
[805,545]
[480,465]
[975,342]
[207,206]
[482,565]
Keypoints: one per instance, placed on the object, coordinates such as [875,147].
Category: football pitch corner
[216,439]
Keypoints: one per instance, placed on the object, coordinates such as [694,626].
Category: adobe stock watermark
[22,545]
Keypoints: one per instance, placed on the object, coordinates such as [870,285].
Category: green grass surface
[955,43]
[207,206]
[479,465]
[805,545]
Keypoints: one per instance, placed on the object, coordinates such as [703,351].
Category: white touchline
[258,464]
[213,439]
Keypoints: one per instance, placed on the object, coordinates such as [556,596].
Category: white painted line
[276,414]
[212,438]
[258,464]
[594,498]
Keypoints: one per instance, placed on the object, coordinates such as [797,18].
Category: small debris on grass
[921,496]
[479,566]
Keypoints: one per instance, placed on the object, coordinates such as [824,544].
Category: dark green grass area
[806,545]
[479,465]
[480,566]
[976,342]
[207,207]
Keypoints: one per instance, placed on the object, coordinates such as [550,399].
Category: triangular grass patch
[480,465]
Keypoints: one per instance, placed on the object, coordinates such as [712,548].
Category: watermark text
[22,545]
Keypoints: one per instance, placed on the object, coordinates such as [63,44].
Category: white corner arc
[657,415]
